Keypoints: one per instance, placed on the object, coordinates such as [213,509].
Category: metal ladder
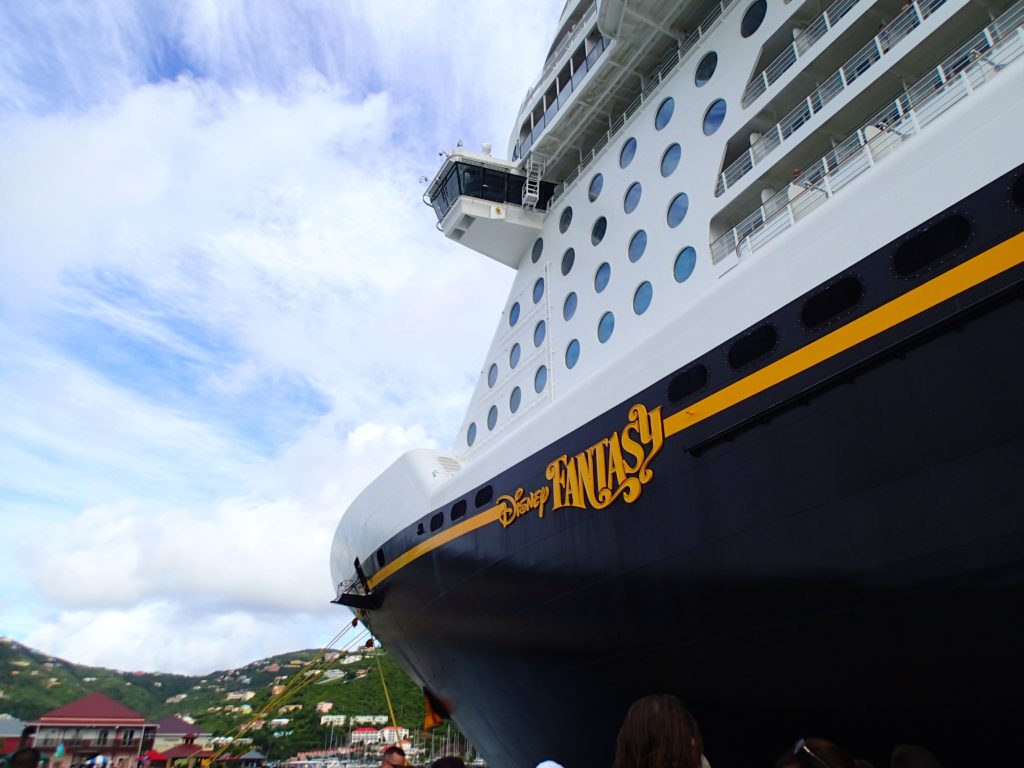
[531,187]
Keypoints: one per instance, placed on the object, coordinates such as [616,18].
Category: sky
[223,304]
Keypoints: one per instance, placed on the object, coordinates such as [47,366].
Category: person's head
[815,753]
[393,757]
[448,761]
[658,732]
[912,756]
[26,757]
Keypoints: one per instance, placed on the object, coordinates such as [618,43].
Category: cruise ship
[750,429]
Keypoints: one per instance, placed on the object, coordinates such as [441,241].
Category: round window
[492,374]
[753,17]
[596,184]
[565,220]
[471,433]
[538,333]
[627,153]
[514,355]
[642,297]
[705,69]
[677,209]
[538,248]
[670,160]
[714,116]
[569,308]
[637,246]
[685,262]
[572,354]
[492,417]
[602,276]
[605,326]
[513,315]
[540,380]
[597,233]
[515,399]
[568,259]
[538,290]
[664,113]
[632,198]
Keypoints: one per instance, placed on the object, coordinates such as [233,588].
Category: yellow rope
[387,698]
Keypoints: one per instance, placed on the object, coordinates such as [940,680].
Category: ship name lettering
[613,467]
[512,507]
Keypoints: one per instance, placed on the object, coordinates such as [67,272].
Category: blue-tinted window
[513,315]
[632,198]
[492,375]
[677,209]
[569,308]
[628,152]
[538,290]
[605,326]
[538,333]
[515,399]
[714,116]
[706,68]
[471,433]
[568,259]
[686,260]
[637,246]
[540,380]
[538,248]
[664,113]
[492,417]
[565,220]
[670,160]
[596,185]
[753,17]
[514,355]
[572,353]
[597,233]
[602,276]
[642,297]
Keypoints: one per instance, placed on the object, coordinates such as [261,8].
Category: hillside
[32,683]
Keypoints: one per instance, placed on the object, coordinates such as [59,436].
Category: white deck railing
[964,71]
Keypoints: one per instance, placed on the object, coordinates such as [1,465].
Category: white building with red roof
[92,726]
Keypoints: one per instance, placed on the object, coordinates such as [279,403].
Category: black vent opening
[754,345]
[419,529]
[832,302]
[937,242]
[436,521]
[686,383]
[380,558]
[1017,193]
[458,509]
[483,496]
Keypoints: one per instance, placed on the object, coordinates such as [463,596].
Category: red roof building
[94,726]
[172,730]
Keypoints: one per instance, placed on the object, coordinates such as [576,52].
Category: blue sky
[221,300]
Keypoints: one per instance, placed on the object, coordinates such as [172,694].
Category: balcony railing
[964,71]
[912,17]
[814,31]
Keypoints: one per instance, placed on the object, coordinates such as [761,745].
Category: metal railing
[556,56]
[961,73]
[909,19]
[651,85]
[800,45]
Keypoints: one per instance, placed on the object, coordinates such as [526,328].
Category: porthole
[513,315]
[597,233]
[642,297]
[828,304]
[1017,193]
[436,521]
[670,160]
[458,510]
[514,355]
[685,261]
[938,242]
[483,496]
[380,555]
[627,153]
[605,327]
[637,246]
[565,219]
[714,117]
[753,17]
[632,198]
[572,353]
[753,346]
[661,119]
[538,333]
[540,379]
[568,259]
[538,249]
[602,276]
[677,209]
[686,383]
[569,307]
[471,433]
[492,374]
[705,69]
[596,185]
[492,417]
[515,399]
[538,290]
